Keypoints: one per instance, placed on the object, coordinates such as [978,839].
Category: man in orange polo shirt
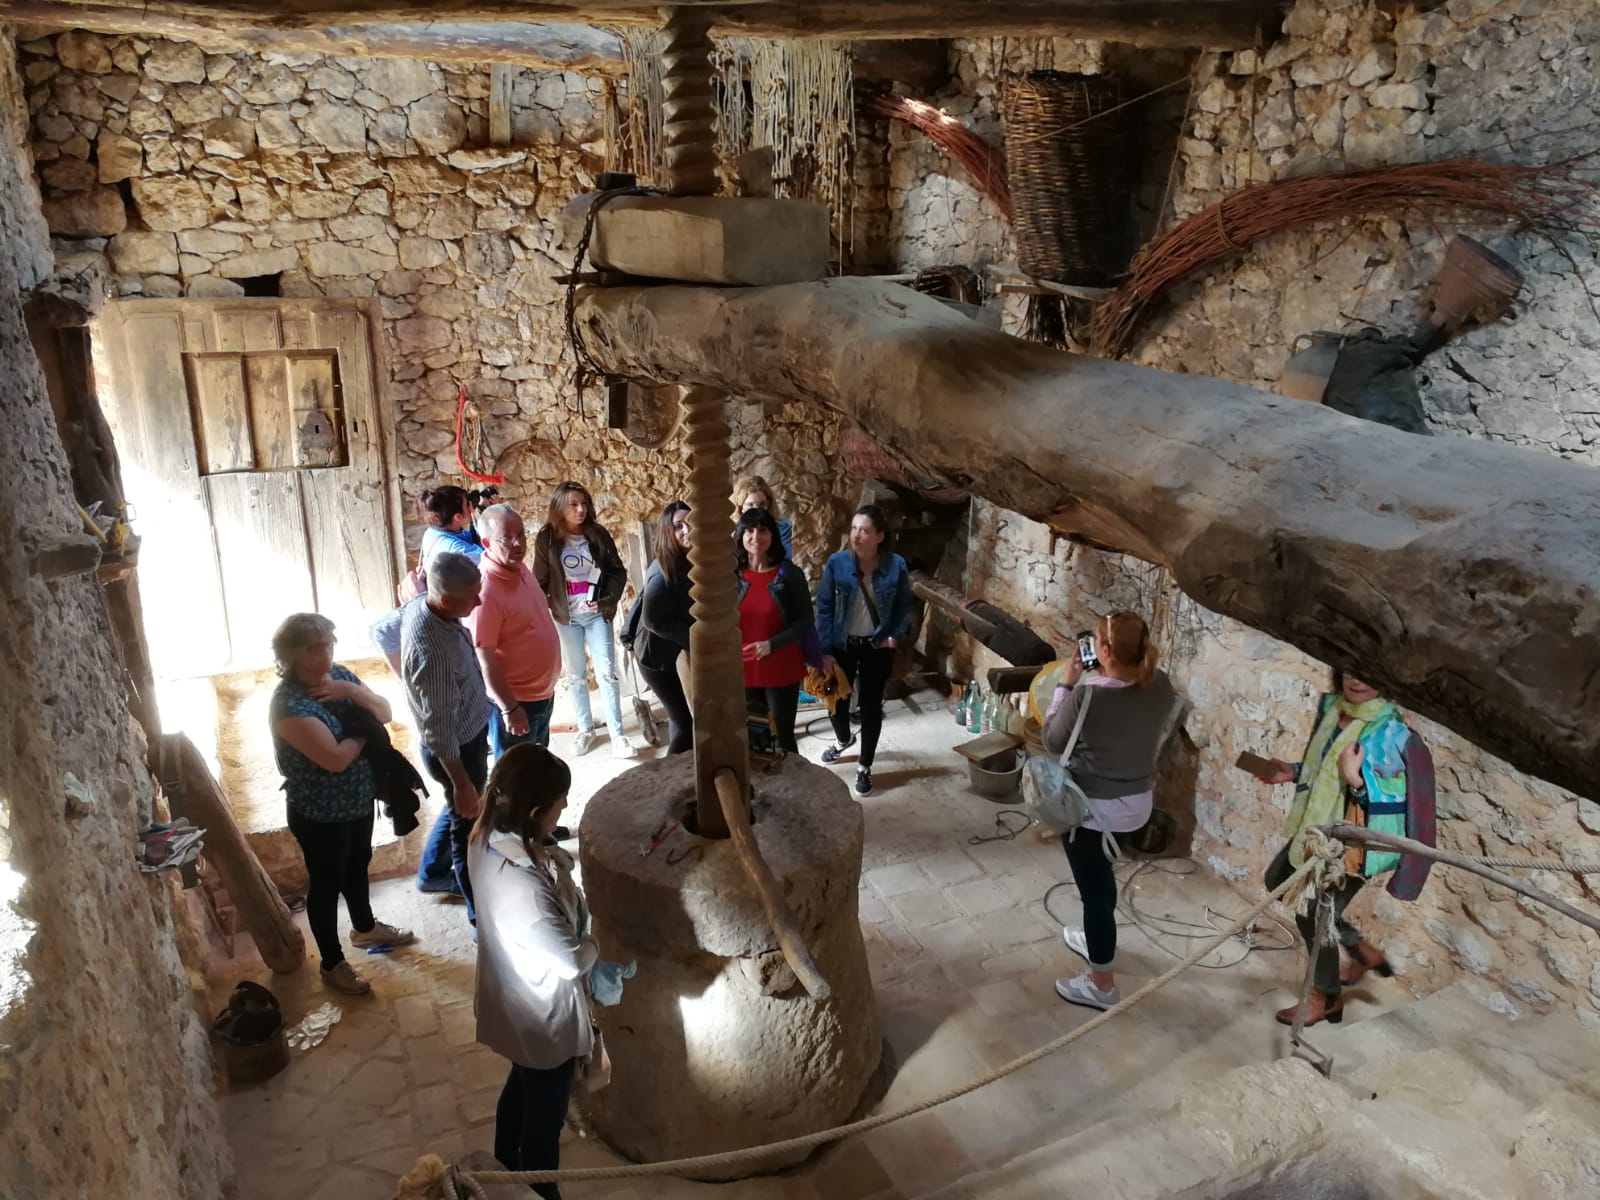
[515,636]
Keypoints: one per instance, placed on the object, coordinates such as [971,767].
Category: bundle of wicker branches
[1553,200]
[984,164]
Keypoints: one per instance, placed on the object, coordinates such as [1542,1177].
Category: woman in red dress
[774,615]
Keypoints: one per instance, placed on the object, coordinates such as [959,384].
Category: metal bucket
[996,778]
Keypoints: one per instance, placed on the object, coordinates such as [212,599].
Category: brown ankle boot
[1364,957]
[1318,1008]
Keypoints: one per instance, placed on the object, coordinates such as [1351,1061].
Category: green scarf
[1319,796]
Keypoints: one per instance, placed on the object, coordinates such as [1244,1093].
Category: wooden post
[255,897]
[500,76]
[790,940]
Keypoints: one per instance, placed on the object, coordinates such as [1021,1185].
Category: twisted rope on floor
[810,1141]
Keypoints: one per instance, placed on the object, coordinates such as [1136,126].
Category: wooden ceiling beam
[1208,24]
[551,47]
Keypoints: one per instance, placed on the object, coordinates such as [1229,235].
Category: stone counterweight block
[708,1054]
[744,241]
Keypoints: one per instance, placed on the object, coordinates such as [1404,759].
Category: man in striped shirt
[444,687]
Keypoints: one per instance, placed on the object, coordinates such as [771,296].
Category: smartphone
[1256,765]
[1086,651]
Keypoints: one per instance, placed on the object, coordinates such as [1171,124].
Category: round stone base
[715,1046]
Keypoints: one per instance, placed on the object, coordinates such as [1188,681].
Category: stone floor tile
[895,880]
[918,1154]
[429,1059]
[870,910]
[849,1172]
[980,897]
[926,907]
[415,1016]
[950,867]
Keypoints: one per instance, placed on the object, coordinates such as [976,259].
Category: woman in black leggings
[863,610]
[1130,704]
[664,621]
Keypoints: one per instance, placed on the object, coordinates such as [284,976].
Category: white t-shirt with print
[582,572]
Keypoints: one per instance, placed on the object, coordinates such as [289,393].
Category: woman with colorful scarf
[1363,765]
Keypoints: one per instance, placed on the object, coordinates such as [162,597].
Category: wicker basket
[1070,166]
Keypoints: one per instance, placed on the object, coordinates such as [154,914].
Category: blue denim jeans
[435,872]
[475,758]
[591,632]
[502,739]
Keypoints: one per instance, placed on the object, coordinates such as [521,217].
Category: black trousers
[336,854]
[669,690]
[1097,887]
[528,1120]
[475,758]
[867,668]
[1325,977]
[781,703]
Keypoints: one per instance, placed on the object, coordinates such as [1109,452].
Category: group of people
[1363,764]
[479,648]
[478,643]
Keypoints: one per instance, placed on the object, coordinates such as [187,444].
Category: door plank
[266,572]
[350,556]
[316,411]
[268,379]
[221,412]
[148,408]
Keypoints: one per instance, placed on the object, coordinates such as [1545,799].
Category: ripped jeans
[591,631]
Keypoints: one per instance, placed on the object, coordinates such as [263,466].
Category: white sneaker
[1080,989]
[584,743]
[621,747]
[382,934]
[1075,941]
[345,978]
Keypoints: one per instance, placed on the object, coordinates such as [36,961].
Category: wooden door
[253,435]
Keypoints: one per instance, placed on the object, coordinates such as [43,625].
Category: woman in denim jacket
[860,629]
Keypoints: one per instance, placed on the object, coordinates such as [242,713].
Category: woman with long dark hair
[752,491]
[534,955]
[577,565]
[1114,762]
[664,621]
[863,610]
[774,618]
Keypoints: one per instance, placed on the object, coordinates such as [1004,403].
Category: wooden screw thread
[688,105]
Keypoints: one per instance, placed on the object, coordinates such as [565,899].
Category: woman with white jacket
[532,999]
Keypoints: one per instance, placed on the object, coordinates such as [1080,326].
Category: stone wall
[200,173]
[1344,86]
[105,1072]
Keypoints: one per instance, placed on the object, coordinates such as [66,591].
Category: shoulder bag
[1050,794]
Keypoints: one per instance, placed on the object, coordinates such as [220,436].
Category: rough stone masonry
[1347,85]
[196,172]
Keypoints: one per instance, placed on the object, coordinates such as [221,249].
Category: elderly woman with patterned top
[577,565]
[774,618]
[330,790]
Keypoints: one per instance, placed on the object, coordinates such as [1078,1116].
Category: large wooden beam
[1462,577]
[547,47]
[1212,24]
